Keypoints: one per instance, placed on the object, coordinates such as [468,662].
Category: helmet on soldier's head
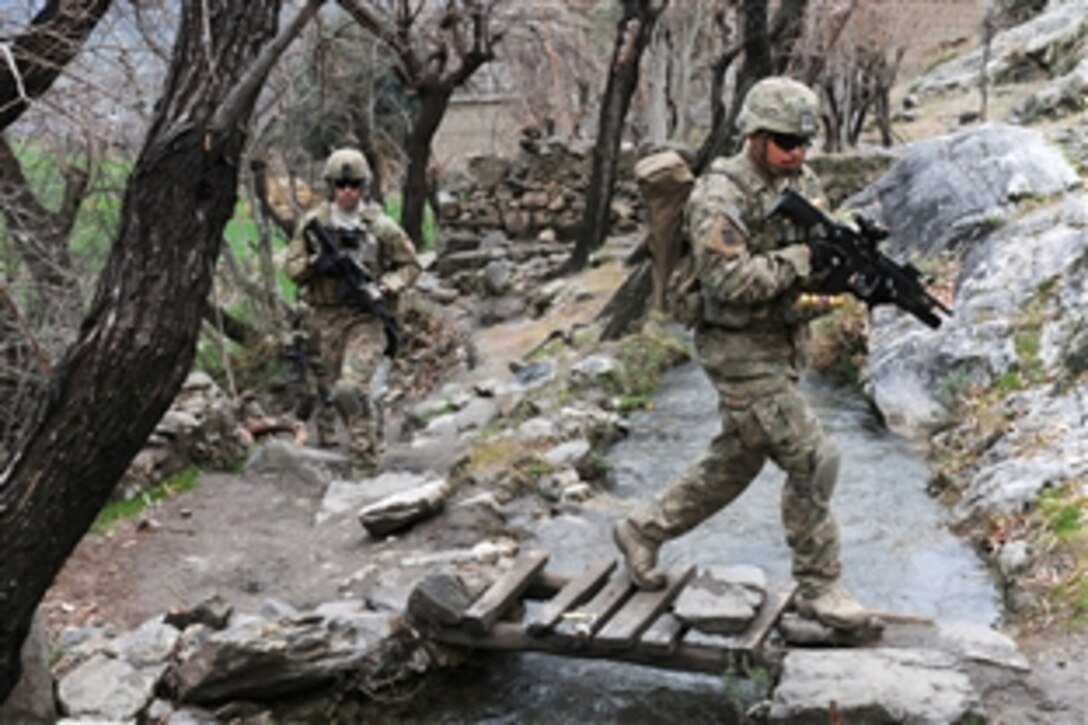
[780,105]
[346,165]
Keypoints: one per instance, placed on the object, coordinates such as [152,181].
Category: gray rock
[109,688]
[874,686]
[948,189]
[980,643]
[498,277]
[31,702]
[439,599]
[401,510]
[722,599]
[258,658]
[152,643]
[572,453]
[342,496]
[313,466]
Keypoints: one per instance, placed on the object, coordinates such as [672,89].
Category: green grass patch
[118,511]
[643,358]
[430,224]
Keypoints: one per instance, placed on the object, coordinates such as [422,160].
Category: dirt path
[252,538]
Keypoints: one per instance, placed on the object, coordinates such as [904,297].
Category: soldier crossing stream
[898,551]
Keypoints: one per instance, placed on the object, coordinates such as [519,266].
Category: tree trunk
[434,102]
[626,309]
[137,342]
[633,33]
[55,35]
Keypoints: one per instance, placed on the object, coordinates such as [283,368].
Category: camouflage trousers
[343,354]
[776,425]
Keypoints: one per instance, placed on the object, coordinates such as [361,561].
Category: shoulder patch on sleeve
[724,238]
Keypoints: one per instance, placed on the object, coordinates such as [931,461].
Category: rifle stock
[357,286]
[868,273]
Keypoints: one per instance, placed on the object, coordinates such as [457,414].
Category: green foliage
[643,358]
[628,403]
[242,234]
[746,683]
[251,368]
[100,210]
[534,468]
[430,224]
[1062,514]
[108,518]
[953,389]
[995,221]
[1008,382]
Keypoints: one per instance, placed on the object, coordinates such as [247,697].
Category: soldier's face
[783,154]
[348,193]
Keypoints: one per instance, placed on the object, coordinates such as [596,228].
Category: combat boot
[640,553]
[833,606]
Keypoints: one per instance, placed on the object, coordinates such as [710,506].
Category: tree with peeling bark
[137,342]
[436,54]
[634,30]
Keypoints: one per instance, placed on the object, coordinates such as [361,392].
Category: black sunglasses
[788,142]
[348,183]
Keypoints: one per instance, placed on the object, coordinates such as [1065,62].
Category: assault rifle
[356,285]
[862,269]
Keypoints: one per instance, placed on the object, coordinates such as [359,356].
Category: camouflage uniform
[755,275]
[344,346]
[752,343]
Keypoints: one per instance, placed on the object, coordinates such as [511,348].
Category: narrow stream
[897,551]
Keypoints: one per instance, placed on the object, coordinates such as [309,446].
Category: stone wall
[537,194]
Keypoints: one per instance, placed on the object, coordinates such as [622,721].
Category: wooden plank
[769,613]
[512,637]
[623,629]
[576,591]
[487,610]
[661,637]
[580,624]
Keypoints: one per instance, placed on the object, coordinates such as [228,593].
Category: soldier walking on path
[755,275]
[346,335]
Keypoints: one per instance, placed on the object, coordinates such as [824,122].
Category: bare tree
[435,58]
[765,47]
[851,55]
[549,55]
[36,58]
[137,342]
[633,32]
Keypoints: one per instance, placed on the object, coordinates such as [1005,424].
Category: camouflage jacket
[751,271]
[379,243]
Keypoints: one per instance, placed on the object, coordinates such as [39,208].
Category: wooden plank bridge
[600,614]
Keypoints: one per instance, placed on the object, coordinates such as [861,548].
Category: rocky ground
[249,538]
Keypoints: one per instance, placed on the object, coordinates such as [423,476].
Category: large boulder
[955,188]
[961,193]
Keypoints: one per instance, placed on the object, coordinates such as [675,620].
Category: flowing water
[897,553]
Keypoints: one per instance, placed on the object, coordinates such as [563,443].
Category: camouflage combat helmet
[779,105]
[346,164]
